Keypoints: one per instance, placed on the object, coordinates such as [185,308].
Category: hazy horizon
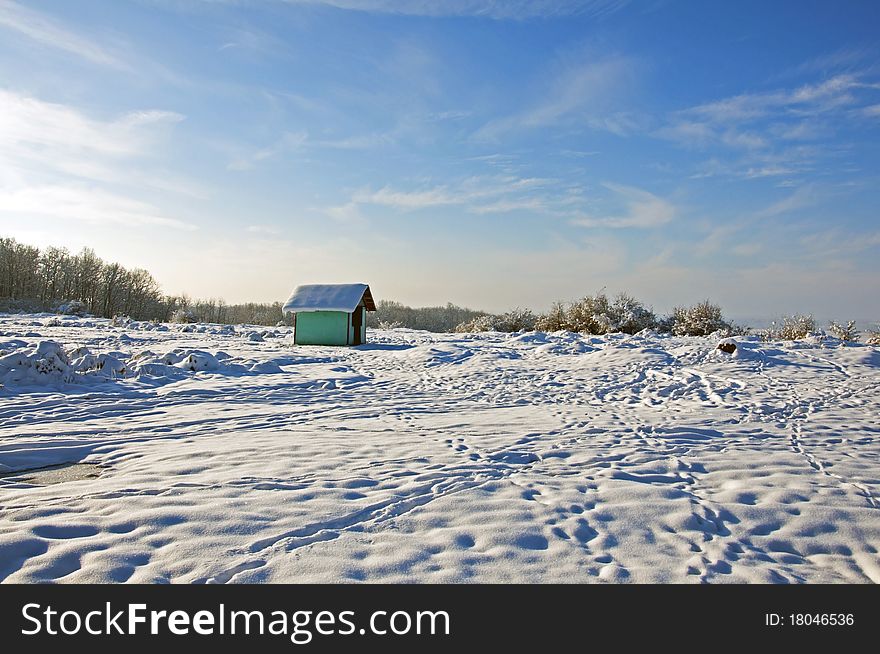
[490,155]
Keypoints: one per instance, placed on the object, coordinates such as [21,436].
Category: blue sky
[492,154]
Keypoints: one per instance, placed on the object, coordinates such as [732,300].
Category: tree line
[54,279]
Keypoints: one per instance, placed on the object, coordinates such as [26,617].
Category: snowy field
[230,455]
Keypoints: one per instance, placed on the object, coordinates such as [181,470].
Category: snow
[325,297]
[530,457]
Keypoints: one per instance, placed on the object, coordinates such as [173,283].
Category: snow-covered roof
[329,297]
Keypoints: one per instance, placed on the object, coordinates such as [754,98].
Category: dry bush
[597,314]
[554,320]
[791,328]
[590,315]
[846,332]
[872,336]
[477,324]
[515,320]
[701,319]
[631,316]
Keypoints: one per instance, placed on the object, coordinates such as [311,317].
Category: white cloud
[506,10]
[583,92]
[289,141]
[356,142]
[842,59]
[347,214]
[86,204]
[535,204]
[47,32]
[722,121]
[479,194]
[806,99]
[386,196]
[768,171]
[776,132]
[56,161]
[52,134]
[643,210]
[801,198]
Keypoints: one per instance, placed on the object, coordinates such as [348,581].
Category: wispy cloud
[836,242]
[642,210]
[801,198]
[501,194]
[773,133]
[507,10]
[56,161]
[47,32]
[433,197]
[59,138]
[479,195]
[844,59]
[722,121]
[253,40]
[582,92]
[347,214]
[807,99]
[85,204]
[356,142]
[289,141]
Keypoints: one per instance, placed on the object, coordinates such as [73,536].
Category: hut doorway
[356,323]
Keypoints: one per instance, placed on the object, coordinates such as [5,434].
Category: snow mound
[192,360]
[127,323]
[266,368]
[559,342]
[46,362]
[50,363]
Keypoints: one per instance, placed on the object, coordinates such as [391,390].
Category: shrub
[554,320]
[477,324]
[597,314]
[701,319]
[515,320]
[791,328]
[631,316]
[591,314]
[846,332]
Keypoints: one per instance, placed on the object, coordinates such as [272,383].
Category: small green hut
[330,314]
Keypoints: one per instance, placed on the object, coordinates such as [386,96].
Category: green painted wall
[322,328]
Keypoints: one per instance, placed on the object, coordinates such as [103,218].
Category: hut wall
[322,328]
